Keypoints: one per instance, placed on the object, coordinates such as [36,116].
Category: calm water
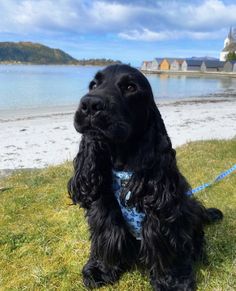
[39,86]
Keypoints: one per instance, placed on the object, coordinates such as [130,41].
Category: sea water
[34,86]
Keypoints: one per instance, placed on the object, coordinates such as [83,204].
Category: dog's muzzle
[90,105]
[88,114]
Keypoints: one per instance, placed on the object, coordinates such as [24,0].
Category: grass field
[44,241]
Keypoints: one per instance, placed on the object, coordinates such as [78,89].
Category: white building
[176,65]
[229,44]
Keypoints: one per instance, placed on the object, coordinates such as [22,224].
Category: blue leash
[134,218]
[217,179]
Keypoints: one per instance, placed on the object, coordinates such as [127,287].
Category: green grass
[44,241]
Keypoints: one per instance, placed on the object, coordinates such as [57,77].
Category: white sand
[38,138]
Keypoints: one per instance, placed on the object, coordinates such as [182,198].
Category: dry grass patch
[44,241]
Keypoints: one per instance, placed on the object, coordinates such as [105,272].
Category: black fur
[122,129]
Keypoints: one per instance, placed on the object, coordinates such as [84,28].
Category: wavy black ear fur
[113,248]
[172,231]
[155,158]
[92,171]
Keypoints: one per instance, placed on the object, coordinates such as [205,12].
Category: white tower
[229,44]
[228,39]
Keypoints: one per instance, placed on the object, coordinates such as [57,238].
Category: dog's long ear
[157,171]
[92,171]
[173,221]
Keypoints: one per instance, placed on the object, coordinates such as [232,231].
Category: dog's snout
[92,105]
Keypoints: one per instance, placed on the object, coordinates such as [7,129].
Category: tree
[231,56]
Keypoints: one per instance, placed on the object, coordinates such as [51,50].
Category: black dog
[123,131]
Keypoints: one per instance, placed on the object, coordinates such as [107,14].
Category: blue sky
[130,31]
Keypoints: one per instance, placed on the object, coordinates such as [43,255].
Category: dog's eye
[93,85]
[130,88]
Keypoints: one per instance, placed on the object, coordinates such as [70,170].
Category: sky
[130,31]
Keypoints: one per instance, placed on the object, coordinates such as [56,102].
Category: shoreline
[31,113]
[191,73]
[42,137]
[153,72]
[18,114]
[36,64]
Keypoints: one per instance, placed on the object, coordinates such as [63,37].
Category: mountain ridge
[25,52]
[33,53]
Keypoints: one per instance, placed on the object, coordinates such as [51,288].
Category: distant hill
[97,62]
[203,58]
[35,53]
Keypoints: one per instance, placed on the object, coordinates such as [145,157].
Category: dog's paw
[92,279]
[96,275]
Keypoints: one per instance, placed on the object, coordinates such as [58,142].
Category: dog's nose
[91,105]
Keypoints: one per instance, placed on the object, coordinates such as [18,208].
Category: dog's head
[117,104]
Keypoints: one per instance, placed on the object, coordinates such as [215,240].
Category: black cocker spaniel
[127,180]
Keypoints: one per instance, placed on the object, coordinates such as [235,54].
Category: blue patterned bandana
[132,217]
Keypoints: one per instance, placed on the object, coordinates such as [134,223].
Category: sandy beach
[37,138]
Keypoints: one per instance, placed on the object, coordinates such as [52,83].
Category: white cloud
[145,35]
[102,12]
[78,16]
[29,16]
[201,35]
[209,14]
[157,21]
